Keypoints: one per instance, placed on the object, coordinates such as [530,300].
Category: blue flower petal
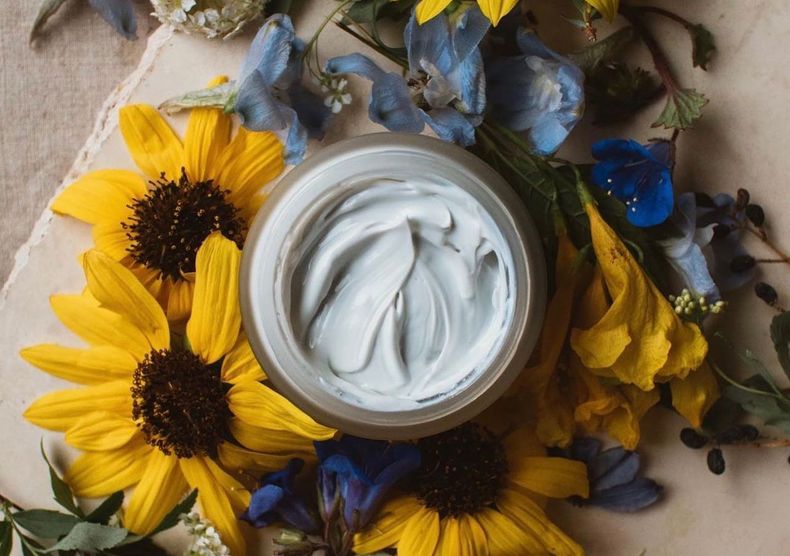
[468,30]
[628,497]
[296,141]
[391,105]
[312,112]
[547,135]
[451,125]
[256,107]
[655,201]
[429,47]
[357,64]
[118,13]
[271,50]
[624,471]
[603,462]
[403,459]
[468,84]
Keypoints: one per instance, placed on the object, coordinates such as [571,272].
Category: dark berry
[738,433]
[716,461]
[721,231]
[766,292]
[742,199]
[755,214]
[693,439]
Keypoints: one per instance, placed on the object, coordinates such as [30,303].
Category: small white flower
[205,538]
[337,96]
[211,18]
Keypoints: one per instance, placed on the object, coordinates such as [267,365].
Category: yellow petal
[428,9]
[153,145]
[640,336]
[101,431]
[208,133]
[160,488]
[528,515]
[421,534]
[95,474]
[216,318]
[495,10]
[553,477]
[97,326]
[110,238]
[238,495]
[215,503]
[118,290]
[389,524]
[61,410]
[258,405]
[240,363]
[268,440]
[607,8]
[148,277]
[236,457]
[506,538]
[100,196]
[473,538]
[694,395]
[250,161]
[179,300]
[83,366]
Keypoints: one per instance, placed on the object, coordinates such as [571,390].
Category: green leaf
[6,538]
[46,524]
[45,11]
[616,92]
[279,6]
[106,509]
[603,51]
[365,11]
[703,45]
[757,397]
[90,537]
[143,547]
[780,334]
[219,96]
[60,489]
[684,107]
[723,415]
[171,519]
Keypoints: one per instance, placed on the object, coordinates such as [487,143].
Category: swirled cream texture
[401,291]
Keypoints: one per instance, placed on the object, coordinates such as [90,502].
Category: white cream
[401,290]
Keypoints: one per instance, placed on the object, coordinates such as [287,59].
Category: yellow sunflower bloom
[487,498]
[209,182]
[158,411]
[640,339]
[494,10]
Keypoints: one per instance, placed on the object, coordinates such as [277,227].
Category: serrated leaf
[603,51]
[770,408]
[684,107]
[45,11]
[780,335]
[46,524]
[90,537]
[171,519]
[6,538]
[703,45]
[60,489]
[106,509]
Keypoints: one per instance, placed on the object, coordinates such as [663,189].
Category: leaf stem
[666,13]
[660,60]
[763,237]
[4,500]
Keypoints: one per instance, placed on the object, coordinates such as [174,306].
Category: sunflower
[163,412]
[479,493]
[208,183]
[494,10]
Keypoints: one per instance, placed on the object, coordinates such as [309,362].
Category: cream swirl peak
[401,291]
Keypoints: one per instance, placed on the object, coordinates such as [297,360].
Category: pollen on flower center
[462,470]
[169,224]
[179,404]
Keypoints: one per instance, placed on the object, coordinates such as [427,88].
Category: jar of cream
[392,286]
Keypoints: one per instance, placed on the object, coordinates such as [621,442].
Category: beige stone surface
[738,143]
[49,97]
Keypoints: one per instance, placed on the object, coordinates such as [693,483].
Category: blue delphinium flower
[539,92]
[445,88]
[269,92]
[614,484]
[685,253]
[638,175]
[356,474]
[276,501]
[118,13]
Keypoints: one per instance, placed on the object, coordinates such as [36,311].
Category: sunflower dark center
[462,470]
[179,403]
[169,224]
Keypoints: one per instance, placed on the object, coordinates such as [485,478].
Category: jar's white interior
[401,290]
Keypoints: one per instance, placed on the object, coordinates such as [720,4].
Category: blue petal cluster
[270,95]
[446,85]
[614,484]
[276,501]
[118,13]
[638,175]
[539,92]
[355,474]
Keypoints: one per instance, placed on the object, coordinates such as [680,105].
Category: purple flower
[638,175]
[614,484]
[276,501]
[356,474]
